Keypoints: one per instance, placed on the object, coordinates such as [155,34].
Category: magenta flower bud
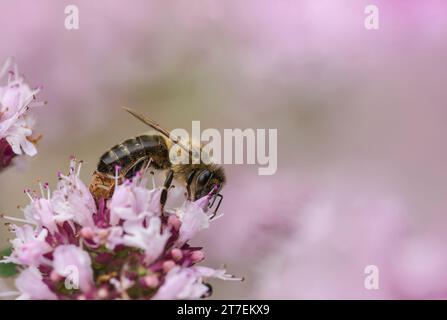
[176,254]
[197,256]
[87,233]
[168,265]
[151,281]
[6,153]
[55,277]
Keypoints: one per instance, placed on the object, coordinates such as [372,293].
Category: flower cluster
[16,98]
[128,247]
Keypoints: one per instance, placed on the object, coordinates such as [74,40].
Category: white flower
[193,219]
[130,201]
[15,99]
[29,248]
[123,204]
[73,199]
[31,286]
[187,283]
[69,260]
[16,137]
[181,283]
[149,238]
[40,211]
[110,237]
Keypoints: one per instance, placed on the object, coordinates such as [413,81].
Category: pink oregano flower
[68,259]
[16,98]
[29,246]
[127,247]
[187,283]
[31,285]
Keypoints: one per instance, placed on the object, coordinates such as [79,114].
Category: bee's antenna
[166,186]
[157,127]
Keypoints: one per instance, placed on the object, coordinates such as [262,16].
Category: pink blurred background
[362,175]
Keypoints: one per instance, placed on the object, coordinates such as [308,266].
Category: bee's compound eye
[203,178]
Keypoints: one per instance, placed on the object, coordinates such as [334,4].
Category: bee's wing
[157,127]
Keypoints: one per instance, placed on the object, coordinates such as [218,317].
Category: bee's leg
[218,204]
[188,182]
[211,204]
[134,168]
[146,166]
[166,185]
[216,193]
[154,183]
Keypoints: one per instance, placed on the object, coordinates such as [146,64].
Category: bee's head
[208,179]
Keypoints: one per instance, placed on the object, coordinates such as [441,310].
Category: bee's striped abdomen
[128,153]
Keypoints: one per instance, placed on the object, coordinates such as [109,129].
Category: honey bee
[152,150]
